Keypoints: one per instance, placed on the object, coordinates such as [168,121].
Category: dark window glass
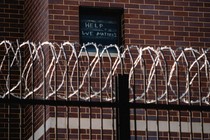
[101,26]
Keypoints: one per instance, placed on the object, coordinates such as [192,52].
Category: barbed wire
[70,70]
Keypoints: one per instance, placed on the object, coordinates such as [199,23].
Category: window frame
[107,12]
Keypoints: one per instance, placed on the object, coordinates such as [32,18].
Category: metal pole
[20,106]
[9,98]
[123,119]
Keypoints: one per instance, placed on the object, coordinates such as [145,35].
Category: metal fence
[67,91]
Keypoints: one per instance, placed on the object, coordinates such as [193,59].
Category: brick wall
[36,21]
[155,23]
[63,20]
[21,20]
[13,118]
[11,28]
[11,20]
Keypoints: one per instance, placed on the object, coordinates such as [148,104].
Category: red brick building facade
[156,23]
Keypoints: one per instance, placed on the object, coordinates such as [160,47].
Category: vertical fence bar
[134,94]
[200,98]
[20,106]
[9,98]
[156,101]
[145,99]
[169,125]
[189,96]
[124,110]
[178,92]
[67,121]
[200,103]
[134,101]
[67,99]
[113,113]
[134,110]
[89,92]
[202,126]
[32,86]
[190,117]
[21,117]
[56,107]
[44,92]
[101,96]
[117,112]
[112,100]
[167,97]
[78,99]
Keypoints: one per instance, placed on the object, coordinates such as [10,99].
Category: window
[101,26]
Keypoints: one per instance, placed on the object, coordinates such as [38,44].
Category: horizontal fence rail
[69,66]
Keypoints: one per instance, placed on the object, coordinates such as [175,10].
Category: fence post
[123,110]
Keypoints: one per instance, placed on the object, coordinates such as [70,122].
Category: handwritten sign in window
[100,26]
[98,30]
